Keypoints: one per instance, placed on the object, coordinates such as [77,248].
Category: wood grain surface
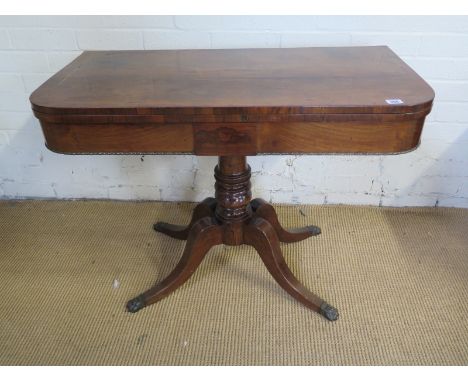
[240,101]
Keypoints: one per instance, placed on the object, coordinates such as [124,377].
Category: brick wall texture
[32,48]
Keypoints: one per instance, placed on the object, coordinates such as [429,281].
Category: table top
[299,80]
[240,101]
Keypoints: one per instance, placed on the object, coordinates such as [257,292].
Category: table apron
[215,139]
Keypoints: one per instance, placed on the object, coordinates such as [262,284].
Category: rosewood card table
[233,104]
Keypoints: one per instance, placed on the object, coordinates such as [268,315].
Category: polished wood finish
[271,81]
[232,187]
[117,138]
[234,138]
[352,137]
[261,235]
[234,102]
[231,104]
[204,209]
[233,219]
[204,234]
[264,210]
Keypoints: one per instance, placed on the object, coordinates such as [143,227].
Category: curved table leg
[204,234]
[203,209]
[266,211]
[260,234]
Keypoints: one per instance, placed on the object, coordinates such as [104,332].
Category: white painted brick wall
[23,62]
[57,60]
[4,40]
[43,39]
[102,39]
[175,39]
[233,40]
[306,39]
[32,48]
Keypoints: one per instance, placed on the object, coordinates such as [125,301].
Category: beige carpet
[399,278]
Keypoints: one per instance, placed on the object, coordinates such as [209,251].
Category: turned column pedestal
[232,218]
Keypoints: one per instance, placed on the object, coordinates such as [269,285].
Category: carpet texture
[399,277]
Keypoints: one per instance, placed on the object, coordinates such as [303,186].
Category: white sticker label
[394,101]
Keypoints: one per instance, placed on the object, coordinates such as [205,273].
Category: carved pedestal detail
[232,218]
